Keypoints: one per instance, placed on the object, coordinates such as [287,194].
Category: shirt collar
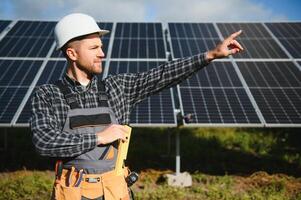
[76,86]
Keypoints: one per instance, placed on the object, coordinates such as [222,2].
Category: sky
[155,10]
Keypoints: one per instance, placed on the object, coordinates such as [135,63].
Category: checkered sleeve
[141,85]
[47,135]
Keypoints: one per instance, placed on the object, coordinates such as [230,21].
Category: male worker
[79,118]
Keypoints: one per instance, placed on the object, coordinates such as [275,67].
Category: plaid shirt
[49,107]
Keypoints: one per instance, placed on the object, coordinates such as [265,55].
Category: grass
[26,185]
[225,163]
[36,185]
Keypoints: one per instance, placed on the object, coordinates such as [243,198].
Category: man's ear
[71,53]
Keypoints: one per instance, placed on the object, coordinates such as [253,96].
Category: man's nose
[101,54]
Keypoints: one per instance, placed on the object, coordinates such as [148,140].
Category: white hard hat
[75,25]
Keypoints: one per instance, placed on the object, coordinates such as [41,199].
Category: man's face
[88,54]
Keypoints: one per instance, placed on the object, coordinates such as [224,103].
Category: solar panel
[289,34]
[27,39]
[155,110]
[188,39]
[4,24]
[139,40]
[15,79]
[276,87]
[256,40]
[216,96]
[105,40]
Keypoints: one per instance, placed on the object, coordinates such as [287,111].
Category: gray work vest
[87,120]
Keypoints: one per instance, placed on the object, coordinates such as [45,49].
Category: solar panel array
[259,87]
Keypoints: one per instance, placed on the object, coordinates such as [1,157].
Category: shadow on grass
[154,148]
[208,155]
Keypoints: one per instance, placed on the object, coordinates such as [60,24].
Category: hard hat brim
[103,32]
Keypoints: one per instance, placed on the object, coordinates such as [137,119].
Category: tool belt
[76,185]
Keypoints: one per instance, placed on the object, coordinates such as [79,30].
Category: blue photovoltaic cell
[215,95]
[18,73]
[188,39]
[15,79]
[138,40]
[53,71]
[28,39]
[157,109]
[276,87]
[255,39]
[4,24]
[11,98]
[289,34]
[105,40]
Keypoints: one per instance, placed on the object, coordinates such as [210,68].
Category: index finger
[234,35]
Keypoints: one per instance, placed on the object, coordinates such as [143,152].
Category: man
[79,118]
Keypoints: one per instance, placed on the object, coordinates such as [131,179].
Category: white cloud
[117,10]
[140,10]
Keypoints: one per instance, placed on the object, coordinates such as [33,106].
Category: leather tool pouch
[64,191]
[92,186]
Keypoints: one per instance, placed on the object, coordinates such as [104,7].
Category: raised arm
[141,85]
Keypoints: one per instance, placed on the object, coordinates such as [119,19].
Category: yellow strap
[122,152]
